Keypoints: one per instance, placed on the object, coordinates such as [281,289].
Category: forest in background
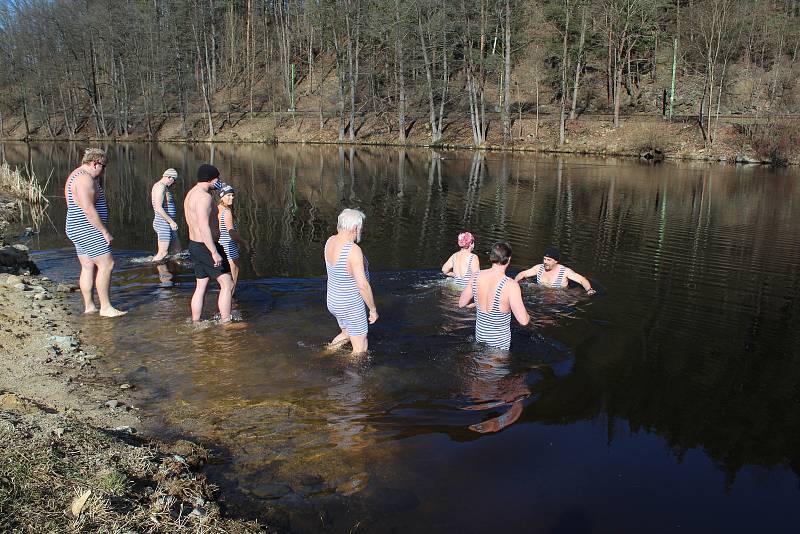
[122,68]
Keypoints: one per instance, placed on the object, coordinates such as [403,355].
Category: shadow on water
[673,391]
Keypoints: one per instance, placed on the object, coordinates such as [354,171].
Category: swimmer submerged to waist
[496,298]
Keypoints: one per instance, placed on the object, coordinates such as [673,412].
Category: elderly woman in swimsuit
[349,290]
[463,263]
[164,213]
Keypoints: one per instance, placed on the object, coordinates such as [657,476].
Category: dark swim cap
[206,173]
[552,252]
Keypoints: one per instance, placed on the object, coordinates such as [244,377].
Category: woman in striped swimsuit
[348,282]
[496,298]
[229,237]
[87,216]
[164,215]
[463,263]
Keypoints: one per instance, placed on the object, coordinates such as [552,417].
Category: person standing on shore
[550,273]
[165,211]
[348,282]
[87,217]
[463,263]
[229,237]
[207,254]
[496,297]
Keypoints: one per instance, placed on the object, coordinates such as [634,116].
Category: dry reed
[21,185]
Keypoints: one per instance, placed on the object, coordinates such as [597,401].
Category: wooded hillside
[122,67]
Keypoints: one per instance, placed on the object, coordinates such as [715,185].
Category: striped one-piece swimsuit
[160,225]
[344,300]
[88,239]
[461,281]
[228,244]
[559,281]
[492,327]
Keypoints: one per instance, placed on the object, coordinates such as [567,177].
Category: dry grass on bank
[21,185]
[48,462]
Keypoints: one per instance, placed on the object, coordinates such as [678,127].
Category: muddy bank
[71,458]
[637,136]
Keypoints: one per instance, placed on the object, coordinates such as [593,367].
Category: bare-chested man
[550,273]
[209,258]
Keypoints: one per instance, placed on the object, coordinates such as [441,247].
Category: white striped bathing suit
[228,244]
[160,225]
[492,327]
[88,240]
[344,300]
[461,281]
[559,282]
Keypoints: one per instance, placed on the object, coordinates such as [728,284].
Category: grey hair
[350,219]
[90,155]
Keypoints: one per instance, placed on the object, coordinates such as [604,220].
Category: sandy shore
[71,459]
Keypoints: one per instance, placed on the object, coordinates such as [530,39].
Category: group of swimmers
[214,247]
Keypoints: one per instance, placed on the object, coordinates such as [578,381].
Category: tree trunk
[578,65]
[562,133]
[506,109]
[400,75]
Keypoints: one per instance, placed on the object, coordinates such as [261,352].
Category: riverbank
[637,136]
[71,458]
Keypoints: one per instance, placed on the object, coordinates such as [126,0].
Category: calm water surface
[667,402]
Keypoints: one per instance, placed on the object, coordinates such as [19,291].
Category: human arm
[582,280]
[231,227]
[355,261]
[202,216]
[84,192]
[466,294]
[526,273]
[447,268]
[516,304]
[157,199]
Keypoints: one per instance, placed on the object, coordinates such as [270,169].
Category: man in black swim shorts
[209,259]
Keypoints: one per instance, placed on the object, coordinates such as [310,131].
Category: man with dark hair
[496,297]
[209,258]
[550,274]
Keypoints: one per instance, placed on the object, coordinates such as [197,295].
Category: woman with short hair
[349,290]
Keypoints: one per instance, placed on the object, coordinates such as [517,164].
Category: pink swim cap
[465,239]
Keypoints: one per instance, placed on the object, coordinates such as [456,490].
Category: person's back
[462,264]
[195,207]
[496,297]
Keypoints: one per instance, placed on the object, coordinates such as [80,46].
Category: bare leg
[163,247]
[105,264]
[224,300]
[87,283]
[198,297]
[359,343]
[234,265]
[339,340]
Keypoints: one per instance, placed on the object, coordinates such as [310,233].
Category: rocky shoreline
[71,458]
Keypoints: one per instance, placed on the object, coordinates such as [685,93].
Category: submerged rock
[268,490]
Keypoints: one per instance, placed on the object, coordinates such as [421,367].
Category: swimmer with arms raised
[550,273]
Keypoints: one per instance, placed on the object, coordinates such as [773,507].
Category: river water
[668,401]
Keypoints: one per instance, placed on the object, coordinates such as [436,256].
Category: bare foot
[92,309]
[112,312]
[234,325]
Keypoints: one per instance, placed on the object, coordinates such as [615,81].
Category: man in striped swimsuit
[164,213]
[207,254]
[496,297]
[550,274]
[87,216]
